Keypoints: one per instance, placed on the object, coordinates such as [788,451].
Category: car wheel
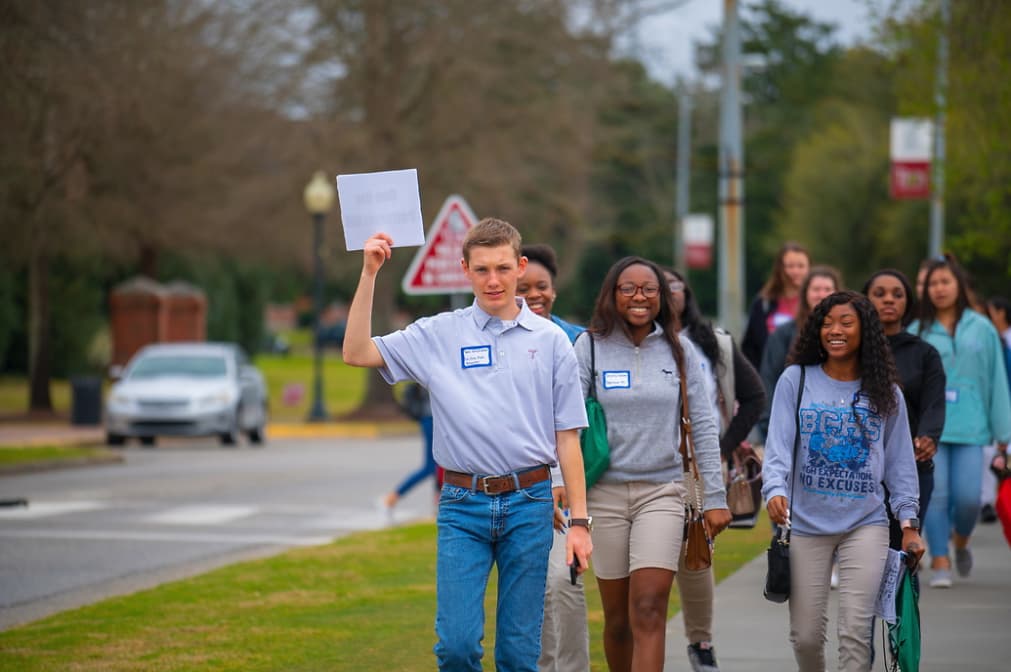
[230,437]
[256,435]
[114,439]
[147,440]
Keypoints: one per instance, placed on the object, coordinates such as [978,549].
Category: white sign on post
[911,139]
[387,202]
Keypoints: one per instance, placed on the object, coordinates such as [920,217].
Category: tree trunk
[148,261]
[39,332]
[380,107]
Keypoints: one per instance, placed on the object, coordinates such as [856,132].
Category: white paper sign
[388,201]
[895,565]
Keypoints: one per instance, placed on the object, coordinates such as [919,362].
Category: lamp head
[318,194]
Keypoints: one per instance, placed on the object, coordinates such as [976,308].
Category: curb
[353,430]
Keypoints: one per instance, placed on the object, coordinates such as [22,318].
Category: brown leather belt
[498,485]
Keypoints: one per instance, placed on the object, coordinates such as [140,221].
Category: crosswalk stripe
[202,514]
[37,509]
[186,537]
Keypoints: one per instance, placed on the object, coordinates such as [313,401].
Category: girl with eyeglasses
[637,505]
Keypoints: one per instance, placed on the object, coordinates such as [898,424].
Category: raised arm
[359,350]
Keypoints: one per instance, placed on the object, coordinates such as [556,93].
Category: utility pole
[940,101]
[684,176]
[731,166]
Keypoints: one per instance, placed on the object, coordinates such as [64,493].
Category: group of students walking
[507,380]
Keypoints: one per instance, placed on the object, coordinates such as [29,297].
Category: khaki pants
[862,554]
[565,635]
[696,589]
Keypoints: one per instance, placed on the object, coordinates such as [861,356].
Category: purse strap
[796,441]
[687,446]
[592,390]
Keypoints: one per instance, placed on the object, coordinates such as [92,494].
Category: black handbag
[777,576]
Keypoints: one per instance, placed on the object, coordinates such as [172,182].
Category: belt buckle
[484,484]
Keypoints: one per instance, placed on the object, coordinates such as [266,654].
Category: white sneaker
[940,578]
[385,512]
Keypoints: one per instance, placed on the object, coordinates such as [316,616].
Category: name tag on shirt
[951,396]
[617,379]
[475,356]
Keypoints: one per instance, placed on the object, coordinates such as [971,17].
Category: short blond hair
[491,232]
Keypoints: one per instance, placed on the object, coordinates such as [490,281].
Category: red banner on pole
[910,151]
[910,179]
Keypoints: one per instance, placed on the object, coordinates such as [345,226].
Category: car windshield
[197,366]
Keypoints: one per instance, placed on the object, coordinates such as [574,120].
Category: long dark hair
[605,318]
[907,315]
[775,286]
[878,374]
[928,312]
[699,329]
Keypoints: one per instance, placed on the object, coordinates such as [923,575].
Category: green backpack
[593,440]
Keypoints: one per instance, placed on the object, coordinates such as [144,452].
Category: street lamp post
[318,197]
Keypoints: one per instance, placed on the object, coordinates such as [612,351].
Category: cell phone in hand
[574,570]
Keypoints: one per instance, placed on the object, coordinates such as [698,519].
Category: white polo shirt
[499,389]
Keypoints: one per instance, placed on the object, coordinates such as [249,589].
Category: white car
[187,389]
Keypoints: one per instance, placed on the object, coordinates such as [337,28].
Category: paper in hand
[884,606]
[387,202]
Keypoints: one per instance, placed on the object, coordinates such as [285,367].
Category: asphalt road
[186,507]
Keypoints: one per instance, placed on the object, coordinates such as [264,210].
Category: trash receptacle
[86,401]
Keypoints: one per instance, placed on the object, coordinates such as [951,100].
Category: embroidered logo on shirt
[532,351]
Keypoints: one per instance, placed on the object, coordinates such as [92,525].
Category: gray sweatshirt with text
[842,460]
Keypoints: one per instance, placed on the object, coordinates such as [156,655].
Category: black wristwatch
[911,523]
[582,522]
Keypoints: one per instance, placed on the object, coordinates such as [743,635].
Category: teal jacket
[978,409]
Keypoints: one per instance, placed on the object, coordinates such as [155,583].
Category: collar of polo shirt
[526,318]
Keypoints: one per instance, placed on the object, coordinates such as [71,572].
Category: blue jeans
[958,478]
[512,530]
[428,468]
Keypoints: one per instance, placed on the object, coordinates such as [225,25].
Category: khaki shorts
[635,525]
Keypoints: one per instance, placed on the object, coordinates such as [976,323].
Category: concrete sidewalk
[964,628]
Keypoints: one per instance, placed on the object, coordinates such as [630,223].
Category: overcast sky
[665,42]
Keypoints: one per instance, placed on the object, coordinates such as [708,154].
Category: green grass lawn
[343,386]
[363,603]
[14,395]
[13,456]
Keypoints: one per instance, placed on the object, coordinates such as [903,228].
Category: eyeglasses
[676,286]
[629,289]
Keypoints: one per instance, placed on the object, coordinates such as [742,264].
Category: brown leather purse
[740,493]
[697,545]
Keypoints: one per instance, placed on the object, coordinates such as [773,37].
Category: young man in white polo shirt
[507,403]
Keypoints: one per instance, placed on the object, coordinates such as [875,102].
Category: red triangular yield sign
[435,268]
